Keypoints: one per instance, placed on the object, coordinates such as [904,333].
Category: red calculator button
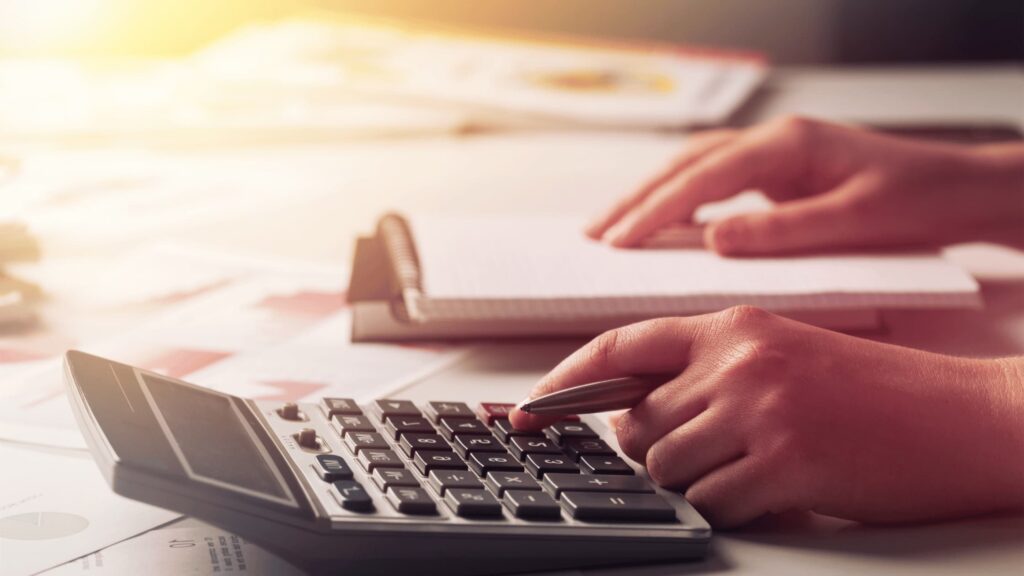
[491,411]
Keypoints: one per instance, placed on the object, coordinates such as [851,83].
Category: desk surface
[580,172]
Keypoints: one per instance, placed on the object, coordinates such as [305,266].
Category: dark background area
[790,31]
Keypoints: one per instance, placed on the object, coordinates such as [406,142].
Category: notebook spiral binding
[394,230]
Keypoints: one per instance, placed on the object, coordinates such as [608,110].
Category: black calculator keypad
[427,460]
[347,424]
[503,428]
[532,504]
[605,465]
[559,482]
[520,446]
[443,480]
[331,467]
[562,432]
[388,407]
[472,503]
[395,426]
[579,447]
[438,410]
[337,406]
[452,427]
[479,471]
[357,441]
[485,462]
[541,464]
[373,459]
[499,482]
[353,496]
[385,478]
[465,444]
[411,501]
[618,506]
[413,443]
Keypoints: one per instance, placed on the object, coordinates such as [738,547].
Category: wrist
[1002,385]
[1001,168]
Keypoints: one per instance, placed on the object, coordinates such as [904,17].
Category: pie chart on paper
[41,525]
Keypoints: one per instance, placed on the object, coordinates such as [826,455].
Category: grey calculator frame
[311,539]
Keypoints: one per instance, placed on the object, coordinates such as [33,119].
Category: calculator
[390,487]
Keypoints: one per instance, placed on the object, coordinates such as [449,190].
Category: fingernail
[727,237]
[593,229]
[616,235]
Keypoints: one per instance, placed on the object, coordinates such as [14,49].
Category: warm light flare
[30,25]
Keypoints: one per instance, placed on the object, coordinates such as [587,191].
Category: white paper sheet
[551,258]
[55,508]
[177,550]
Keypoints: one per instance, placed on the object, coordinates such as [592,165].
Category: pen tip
[524,406]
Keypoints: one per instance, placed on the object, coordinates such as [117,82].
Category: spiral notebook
[498,276]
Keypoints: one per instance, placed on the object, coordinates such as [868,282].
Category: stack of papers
[495,76]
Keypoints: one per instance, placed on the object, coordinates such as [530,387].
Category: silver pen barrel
[600,396]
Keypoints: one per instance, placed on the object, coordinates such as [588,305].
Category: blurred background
[789,31]
[283,128]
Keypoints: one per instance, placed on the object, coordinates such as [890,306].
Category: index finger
[755,159]
[698,146]
[651,347]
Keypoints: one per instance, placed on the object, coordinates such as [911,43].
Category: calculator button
[618,506]
[438,410]
[337,406]
[499,482]
[427,460]
[472,503]
[413,443]
[307,438]
[484,462]
[374,459]
[353,496]
[290,411]
[605,465]
[577,447]
[451,427]
[541,464]
[505,431]
[561,432]
[491,411]
[411,501]
[396,408]
[443,480]
[464,444]
[523,445]
[357,441]
[532,505]
[386,478]
[346,424]
[395,426]
[557,482]
[331,467]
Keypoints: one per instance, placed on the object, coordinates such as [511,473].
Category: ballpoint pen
[600,396]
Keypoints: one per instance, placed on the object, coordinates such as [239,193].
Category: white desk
[562,172]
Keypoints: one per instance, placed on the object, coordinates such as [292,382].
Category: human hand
[835,187]
[769,415]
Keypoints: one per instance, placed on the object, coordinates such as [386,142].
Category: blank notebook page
[522,259]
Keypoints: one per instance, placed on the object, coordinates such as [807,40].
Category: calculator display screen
[213,441]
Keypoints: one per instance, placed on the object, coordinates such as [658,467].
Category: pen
[600,396]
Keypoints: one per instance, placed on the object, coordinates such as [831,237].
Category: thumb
[807,224]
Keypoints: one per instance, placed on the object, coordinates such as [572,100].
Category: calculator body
[292,479]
